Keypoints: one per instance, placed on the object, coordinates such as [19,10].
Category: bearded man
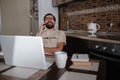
[53,40]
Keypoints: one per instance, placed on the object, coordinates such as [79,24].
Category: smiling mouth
[49,23]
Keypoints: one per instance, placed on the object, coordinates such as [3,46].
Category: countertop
[86,36]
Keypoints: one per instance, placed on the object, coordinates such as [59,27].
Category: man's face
[50,22]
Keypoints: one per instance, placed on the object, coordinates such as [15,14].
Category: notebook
[24,51]
[80,57]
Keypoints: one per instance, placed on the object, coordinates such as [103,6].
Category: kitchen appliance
[93,27]
[110,52]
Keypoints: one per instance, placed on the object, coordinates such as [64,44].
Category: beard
[49,25]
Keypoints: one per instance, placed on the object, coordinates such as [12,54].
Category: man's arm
[59,47]
[42,27]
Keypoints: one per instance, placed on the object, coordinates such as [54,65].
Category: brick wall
[81,12]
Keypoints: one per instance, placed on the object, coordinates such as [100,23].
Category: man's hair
[51,15]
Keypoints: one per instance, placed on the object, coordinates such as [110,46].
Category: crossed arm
[59,47]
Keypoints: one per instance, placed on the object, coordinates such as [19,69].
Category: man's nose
[49,19]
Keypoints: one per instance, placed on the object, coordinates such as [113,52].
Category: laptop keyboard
[48,64]
[49,61]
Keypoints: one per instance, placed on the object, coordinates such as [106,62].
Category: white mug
[93,27]
[61,59]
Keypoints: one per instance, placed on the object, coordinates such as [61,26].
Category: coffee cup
[61,59]
[93,27]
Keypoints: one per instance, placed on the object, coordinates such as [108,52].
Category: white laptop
[24,51]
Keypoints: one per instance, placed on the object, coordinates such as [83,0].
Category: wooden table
[54,73]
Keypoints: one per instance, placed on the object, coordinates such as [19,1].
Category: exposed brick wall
[78,20]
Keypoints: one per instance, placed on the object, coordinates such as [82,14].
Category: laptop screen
[23,51]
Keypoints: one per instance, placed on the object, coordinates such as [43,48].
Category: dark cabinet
[76,45]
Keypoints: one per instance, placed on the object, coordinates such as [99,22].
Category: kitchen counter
[90,37]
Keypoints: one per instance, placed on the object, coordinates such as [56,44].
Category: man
[54,40]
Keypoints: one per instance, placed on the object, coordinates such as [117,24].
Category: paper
[77,76]
[80,57]
[20,72]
